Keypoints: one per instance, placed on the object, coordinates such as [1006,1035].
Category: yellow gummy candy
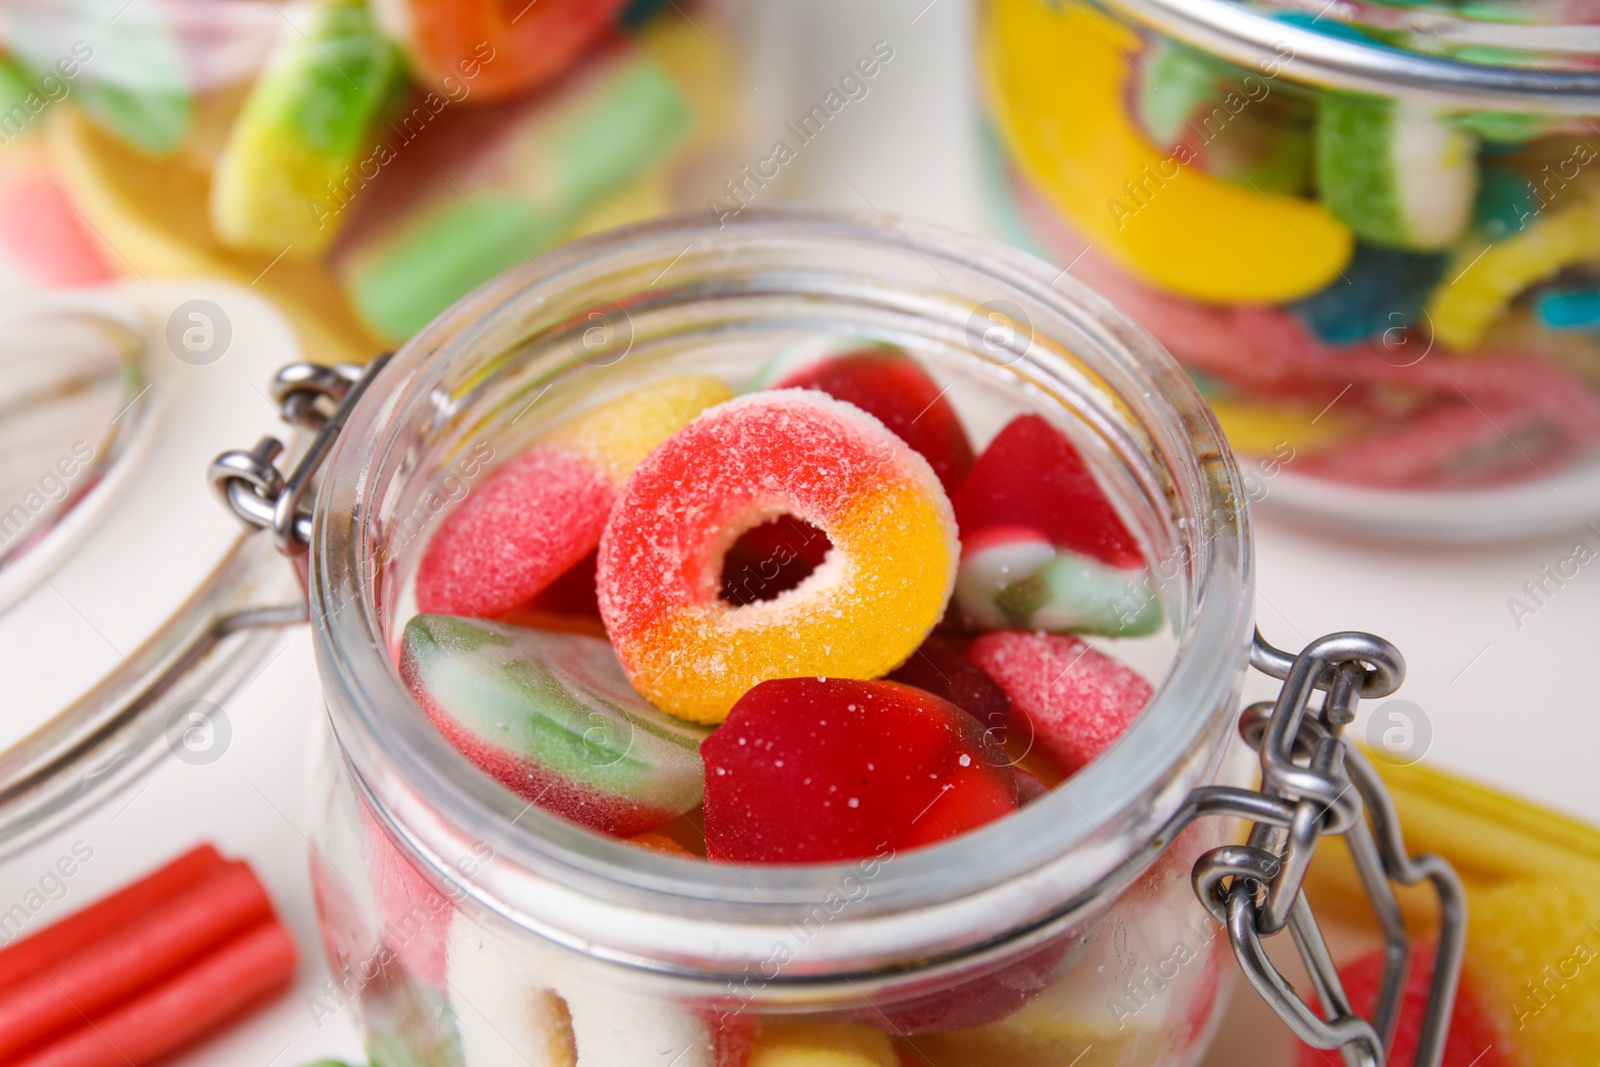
[1485,279]
[1057,79]
[1533,960]
[821,1045]
[1266,430]
[616,436]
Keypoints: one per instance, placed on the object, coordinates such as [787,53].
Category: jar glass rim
[1250,38]
[1101,822]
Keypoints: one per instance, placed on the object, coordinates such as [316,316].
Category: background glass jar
[1369,231]
[473,927]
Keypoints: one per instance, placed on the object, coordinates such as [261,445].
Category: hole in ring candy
[875,597]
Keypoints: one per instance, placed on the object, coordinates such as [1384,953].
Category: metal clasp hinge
[312,397]
[1316,784]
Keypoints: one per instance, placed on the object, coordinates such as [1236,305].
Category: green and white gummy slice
[1030,585]
[559,701]
[1395,174]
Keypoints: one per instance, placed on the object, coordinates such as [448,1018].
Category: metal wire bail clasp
[312,397]
[1315,784]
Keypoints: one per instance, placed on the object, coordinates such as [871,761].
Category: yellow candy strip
[1057,80]
[1485,278]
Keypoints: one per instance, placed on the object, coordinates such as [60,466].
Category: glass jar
[1370,232]
[407,166]
[469,926]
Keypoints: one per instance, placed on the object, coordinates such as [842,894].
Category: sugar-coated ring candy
[496,48]
[871,602]
[537,517]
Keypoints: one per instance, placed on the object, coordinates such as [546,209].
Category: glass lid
[125,592]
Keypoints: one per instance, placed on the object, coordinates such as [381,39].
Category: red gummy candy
[533,520]
[889,385]
[1076,700]
[939,667]
[1032,476]
[814,770]
[1473,1040]
[772,558]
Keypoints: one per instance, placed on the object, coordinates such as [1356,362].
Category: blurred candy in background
[361,165]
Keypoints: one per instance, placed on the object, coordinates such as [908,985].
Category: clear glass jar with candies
[363,165]
[1368,230]
[626,768]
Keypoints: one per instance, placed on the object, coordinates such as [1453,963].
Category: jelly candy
[1058,77]
[1486,278]
[1032,477]
[505,1012]
[1569,309]
[304,124]
[1533,951]
[939,667]
[152,218]
[524,176]
[550,716]
[1011,578]
[499,50]
[1383,289]
[131,78]
[1474,1039]
[813,770]
[755,458]
[533,519]
[821,1045]
[1394,174]
[415,917]
[543,512]
[1078,701]
[890,386]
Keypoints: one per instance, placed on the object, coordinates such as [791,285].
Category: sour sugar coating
[499,49]
[1032,476]
[307,119]
[1013,578]
[889,385]
[1077,701]
[859,615]
[813,770]
[538,516]
[550,716]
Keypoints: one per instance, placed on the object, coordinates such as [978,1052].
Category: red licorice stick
[185,1007]
[24,958]
[146,950]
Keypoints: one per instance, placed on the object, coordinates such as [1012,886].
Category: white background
[1514,706]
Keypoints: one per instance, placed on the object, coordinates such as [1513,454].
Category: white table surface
[1511,706]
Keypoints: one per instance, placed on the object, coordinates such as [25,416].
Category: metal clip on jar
[1014,937]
